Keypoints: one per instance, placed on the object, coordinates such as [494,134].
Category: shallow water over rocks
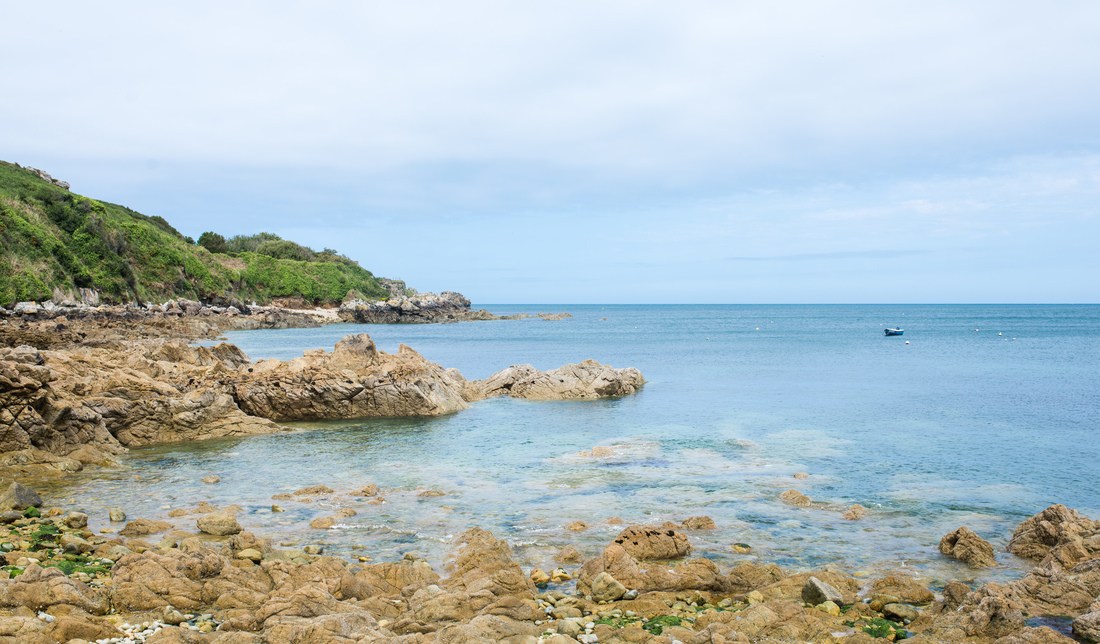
[961,427]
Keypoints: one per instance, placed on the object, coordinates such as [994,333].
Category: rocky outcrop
[582,381]
[409,307]
[1057,532]
[61,409]
[966,546]
[355,380]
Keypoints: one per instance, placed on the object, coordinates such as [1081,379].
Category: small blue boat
[894,331]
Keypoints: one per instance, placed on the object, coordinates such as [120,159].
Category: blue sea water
[979,415]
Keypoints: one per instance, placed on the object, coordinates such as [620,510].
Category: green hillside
[52,239]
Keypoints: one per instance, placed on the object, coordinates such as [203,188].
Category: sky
[593,152]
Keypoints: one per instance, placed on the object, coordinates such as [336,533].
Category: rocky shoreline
[100,379]
[148,581]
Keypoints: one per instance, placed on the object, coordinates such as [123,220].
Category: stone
[1087,626]
[560,575]
[539,577]
[816,592]
[17,496]
[699,523]
[569,554]
[250,554]
[654,542]
[220,523]
[966,546]
[143,527]
[116,515]
[582,381]
[367,490]
[606,588]
[75,520]
[902,589]
[1056,531]
[900,612]
[855,512]
[832,608]
[795,498]
[211,479]
[577,526]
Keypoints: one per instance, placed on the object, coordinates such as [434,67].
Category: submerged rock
[654,542]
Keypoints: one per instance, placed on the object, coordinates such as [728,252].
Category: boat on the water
[894,331]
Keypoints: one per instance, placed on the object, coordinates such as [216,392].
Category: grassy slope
[51,238]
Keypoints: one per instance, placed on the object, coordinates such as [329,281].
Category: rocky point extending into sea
[80,383]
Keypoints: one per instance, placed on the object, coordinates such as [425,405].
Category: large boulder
[654,542]
[620,566]
[355,380]
[1058,532]
[16,496]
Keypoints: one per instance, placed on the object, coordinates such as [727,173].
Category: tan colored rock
[605,588]
[583,381]
[40,588]
[1087,626]
[966,546]
[795,498]
[221,523]
[855,512]
[569,554]
[654,542]
[904,589]
[692,574]
[699,523]
[367,490]
[577,526]
[1057,531]
[142,527]
[356,380]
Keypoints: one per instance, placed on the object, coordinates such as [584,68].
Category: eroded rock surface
[582,381]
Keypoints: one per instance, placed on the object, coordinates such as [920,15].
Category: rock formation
[62,409]
[410,307]
[966,546]
[584,381]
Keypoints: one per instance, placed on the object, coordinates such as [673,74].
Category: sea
[979,415]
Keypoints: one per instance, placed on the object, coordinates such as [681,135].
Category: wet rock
[699,523]
[605,588]
[855,512]
[966,546]
[569,554]
[142,527]
[816,592]
[211,479]
[654,542]
[220,523]
[367,490]
[17,496]
[431,493]
[75,520]
[539,577]
[577,526]
[251,554]
[116,515]
[795,498]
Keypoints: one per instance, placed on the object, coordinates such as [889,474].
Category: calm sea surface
[979,416]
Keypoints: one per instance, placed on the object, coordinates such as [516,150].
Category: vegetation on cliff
[55,242]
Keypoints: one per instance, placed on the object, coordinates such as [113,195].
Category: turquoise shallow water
[987,416]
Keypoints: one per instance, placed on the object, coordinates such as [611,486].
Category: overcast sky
[564,151]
